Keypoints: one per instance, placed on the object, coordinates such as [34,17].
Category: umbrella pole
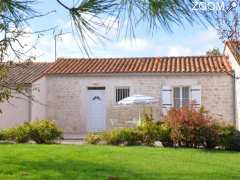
[139,116]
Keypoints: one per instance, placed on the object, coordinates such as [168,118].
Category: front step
[71,136]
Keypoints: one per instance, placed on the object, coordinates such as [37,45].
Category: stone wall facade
[67,96]
[16,110]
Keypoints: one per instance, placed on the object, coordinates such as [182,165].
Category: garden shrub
[2,136]
[235,141]
[210,135]
[229,137]
[124,136]
[147,133]
[148,130]
[22,133]
[45,132]
[8,134]
[164,134]
[192,128]
[182,127]
[93,138]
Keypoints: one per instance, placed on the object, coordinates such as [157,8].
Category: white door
[96,110]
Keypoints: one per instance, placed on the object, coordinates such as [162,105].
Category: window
[181,96]
[122,92]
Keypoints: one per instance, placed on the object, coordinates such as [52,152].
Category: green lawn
[99,162]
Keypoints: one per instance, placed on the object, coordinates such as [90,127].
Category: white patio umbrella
[138,100]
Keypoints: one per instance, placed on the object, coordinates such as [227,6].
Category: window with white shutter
[166,98]
[196,96]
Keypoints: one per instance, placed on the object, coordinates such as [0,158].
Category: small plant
[93,138]
[125,136]
[235,142]
[2,138]
[148,130]
[164,134]
[229,137]
[22,133]
[45,132]
[8,134]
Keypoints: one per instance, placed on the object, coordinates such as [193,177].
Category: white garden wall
[14,112]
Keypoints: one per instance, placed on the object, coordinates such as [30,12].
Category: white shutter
[196,96]
[166,95]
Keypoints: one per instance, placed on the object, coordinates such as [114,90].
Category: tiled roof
[191,64]
[234,47]
[25,73]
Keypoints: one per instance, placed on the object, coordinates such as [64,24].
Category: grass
[99,162]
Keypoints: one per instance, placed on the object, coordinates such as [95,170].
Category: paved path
[73,138]
[72,141]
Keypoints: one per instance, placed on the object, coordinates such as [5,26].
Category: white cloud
[208,36]
[132,45]
[178,51]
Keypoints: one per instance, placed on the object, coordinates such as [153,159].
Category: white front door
[96,109]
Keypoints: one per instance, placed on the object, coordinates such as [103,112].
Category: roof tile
[25,73]
[234,47]
[188,64]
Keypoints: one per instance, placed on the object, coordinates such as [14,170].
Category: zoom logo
[215,5]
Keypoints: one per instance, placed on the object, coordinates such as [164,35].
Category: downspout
[235,109]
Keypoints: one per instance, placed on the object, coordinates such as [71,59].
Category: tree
[228,22]
[90,15]
[228,26]
[213,52]
[13,16]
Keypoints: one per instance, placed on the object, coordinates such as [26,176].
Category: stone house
[82,94]
[20,108]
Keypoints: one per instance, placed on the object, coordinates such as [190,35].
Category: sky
[193,39]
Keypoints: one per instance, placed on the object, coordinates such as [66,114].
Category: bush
[192,128]
[164,134]
[1,136]
[22,133]
[45,132]
[125,136]
[235,142]
[210,135]
[229,137]
[147,133]
[148,130]
[181,127]
[8,134]
[93,138]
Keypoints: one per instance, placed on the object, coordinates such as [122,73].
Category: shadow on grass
[205,150]
[7,142]
[220,151]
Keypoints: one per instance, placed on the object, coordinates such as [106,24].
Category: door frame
[92,88]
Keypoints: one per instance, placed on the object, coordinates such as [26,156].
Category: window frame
[121,87]
[181,95]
